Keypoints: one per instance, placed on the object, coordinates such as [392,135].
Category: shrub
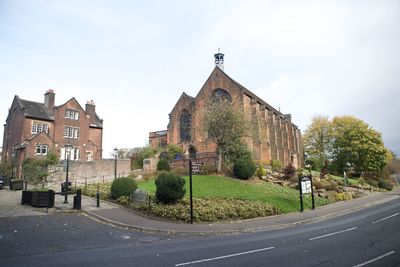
[244,168]
[123,200]
[212,210]
[163,165]
[289,171]
[385,184]
[342,196]
[331,186]
[318,185]
[260,172]
[169,187]
[276,165]
[209,168]
[123,187]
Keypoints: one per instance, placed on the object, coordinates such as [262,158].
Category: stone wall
[88,171]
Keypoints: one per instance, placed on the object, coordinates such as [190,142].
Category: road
[367,237]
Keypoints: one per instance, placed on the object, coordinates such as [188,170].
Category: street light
[12,164]
[67,148]
[115,162]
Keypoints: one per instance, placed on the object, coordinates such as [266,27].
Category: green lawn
[284,198]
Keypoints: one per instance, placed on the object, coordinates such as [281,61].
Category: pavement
[123,217]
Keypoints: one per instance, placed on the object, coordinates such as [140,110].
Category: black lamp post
[115,162]
[67,155]
[12,164]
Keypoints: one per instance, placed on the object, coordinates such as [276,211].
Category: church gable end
[274,136]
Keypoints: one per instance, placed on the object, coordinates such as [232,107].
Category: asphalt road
[368,237]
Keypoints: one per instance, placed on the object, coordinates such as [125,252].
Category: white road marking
[375,259]
[224,257]
[388,217]
[335,233]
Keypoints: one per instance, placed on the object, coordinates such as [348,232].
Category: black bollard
[98,198]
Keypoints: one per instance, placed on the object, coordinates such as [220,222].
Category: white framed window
[73,154]
[38,127]
[71,114]
[71,132]
[41,150]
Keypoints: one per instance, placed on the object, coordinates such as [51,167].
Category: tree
[357,145]
[141,153]
[318,140]
[173,150]
[225,126]
[36,169]
[122,153]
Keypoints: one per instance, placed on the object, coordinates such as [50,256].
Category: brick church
[276,137]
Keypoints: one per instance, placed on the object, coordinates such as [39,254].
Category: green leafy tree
[318,140]
[356,145]
[225,126]
[5,169]
[173,150]
[35,170]
[141,153]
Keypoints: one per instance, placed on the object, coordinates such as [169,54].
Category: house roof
[35,110]
[38,110]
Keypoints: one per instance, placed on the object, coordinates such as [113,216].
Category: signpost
[190,190]
[306,187]
[194,167]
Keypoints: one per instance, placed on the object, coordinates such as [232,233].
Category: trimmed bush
[163,165]
[123,187]
[244,168]
[385,185]
[169,187]
[260,172]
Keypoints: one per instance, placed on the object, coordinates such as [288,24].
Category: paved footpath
[127,218]
[120,216]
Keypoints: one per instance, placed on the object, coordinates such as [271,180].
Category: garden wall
[88,171]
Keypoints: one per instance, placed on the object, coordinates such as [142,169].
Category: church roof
[252,95]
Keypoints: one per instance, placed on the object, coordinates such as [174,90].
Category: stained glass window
[185,125]
[221,95]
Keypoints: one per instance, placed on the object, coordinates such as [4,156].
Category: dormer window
[72,114]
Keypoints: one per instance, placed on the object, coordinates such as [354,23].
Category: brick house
[33,129]
[275,136]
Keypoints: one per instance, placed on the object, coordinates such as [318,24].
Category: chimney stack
[91,111]
[49,99]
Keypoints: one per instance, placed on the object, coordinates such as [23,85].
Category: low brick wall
[88,171]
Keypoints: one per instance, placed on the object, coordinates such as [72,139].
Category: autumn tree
[318,139]
[225,126]
[357,145]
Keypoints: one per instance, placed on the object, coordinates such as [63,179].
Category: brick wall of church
[271,135]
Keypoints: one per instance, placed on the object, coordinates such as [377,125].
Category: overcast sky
[135,58]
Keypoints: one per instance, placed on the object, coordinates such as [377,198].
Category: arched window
[185,125]
[220,94]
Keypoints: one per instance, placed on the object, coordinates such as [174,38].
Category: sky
[135,58]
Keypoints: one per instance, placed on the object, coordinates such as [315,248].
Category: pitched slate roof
[252,95]
[35,110]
